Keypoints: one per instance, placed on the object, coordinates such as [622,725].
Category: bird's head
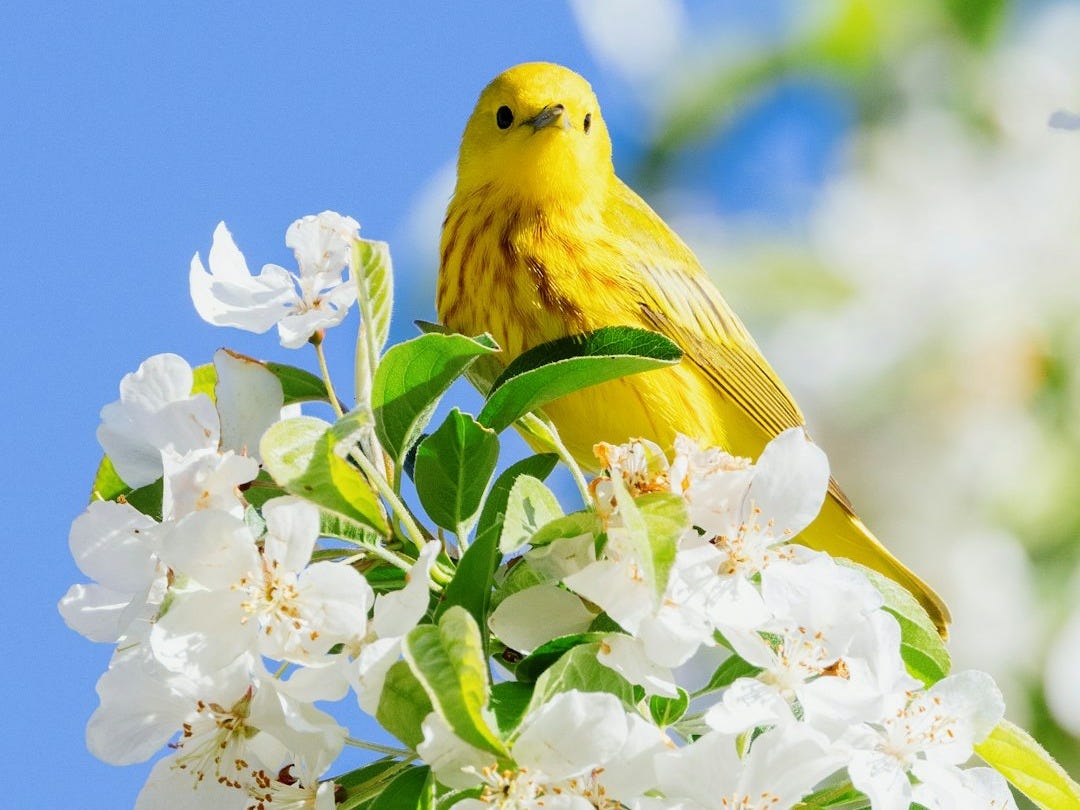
[536,134]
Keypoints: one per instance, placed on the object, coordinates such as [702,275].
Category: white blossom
[828,654]
[778,771]
[927,734]
[116,545]
[299,304]
[578,751]
[204,479]
[156,411]
[240,598]
[395,615]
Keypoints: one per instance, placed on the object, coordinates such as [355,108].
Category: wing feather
[677,299]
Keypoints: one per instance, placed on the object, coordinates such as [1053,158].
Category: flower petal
[515,619]
[790,480]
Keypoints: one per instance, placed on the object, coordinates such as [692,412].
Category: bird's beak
[551,114]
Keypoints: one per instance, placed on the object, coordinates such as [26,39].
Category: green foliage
[730,671]
[298,385]
[840,797]
[539,660]
[475,574]
[530,506]
[403,705]
[579,669]
[667,710]
[977,20]
[373,271]
[575,524]
[303,454]
[413,789]
[448,660]
[361,786]
[1019,758]
[564,366]
[410,380]
[509,700]
[654,523]
[453,467]
[925,654]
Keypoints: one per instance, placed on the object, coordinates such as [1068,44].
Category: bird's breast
[515,272]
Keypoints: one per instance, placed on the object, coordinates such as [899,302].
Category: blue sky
[127,132]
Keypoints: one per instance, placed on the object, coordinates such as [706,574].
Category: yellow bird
[542,240]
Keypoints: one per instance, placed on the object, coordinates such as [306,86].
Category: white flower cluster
[821,684]
[200,603]
[226,632]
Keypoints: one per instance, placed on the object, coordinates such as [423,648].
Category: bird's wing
[685,307]
[678,300]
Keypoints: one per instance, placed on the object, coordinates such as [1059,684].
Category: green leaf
[654,523]
[494,511]
[302,455]
[374,274]
[924,652]
[730,671]
[147,499]
[1014,754]
[298,385]
[261,490]
[573,525]
[362,786]
[977,20]
[509,700]
[555,369]
[371,269]
[579,669]
[108,485]
[333,525]
[482,372]
[411,378]
[475,574]
[204,380]
[543,657]
[453,467]
[530,506]
[842,796]
[403,704]
[448,660]
[665,711]
[410,790]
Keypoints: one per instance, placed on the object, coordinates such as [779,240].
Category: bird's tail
[839,532]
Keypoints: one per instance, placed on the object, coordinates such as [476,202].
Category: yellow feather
[542,240]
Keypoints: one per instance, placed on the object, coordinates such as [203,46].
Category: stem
[564,454]
[326,377]
[376,783]
[396,504]
[387,556]
[379,749]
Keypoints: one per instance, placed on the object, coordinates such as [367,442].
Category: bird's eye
[588,121]
[504,117]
